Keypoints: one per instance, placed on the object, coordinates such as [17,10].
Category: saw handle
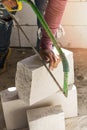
[18,7]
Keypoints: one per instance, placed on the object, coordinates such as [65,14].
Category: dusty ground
[80,65]
[7,79]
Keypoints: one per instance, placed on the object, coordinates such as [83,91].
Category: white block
[76,37]
[33,81]
[14,41]
[69,104]
[19,40]
[46,118]
[31,32]
[26,15]
[14,110]
[23,129]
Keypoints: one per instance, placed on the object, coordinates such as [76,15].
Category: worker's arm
[53,16]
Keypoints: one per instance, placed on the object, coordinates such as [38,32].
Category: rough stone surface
[33,81]
[46,118]
[14,110]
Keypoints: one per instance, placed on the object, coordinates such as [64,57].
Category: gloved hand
[49,56]
[10,4]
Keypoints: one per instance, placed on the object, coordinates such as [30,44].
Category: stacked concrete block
[23,129]
[14,110]
[39,96]
[33,81]
[26,16]
[29,30]
[46,118]
[75,24]
[19,40]
[68,104]
[14,42]
[28,21]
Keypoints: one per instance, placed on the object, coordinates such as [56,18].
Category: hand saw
[55,43]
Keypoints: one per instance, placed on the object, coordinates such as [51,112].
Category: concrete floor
[7,79]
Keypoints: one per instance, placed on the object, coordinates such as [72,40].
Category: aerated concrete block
[68,104]
[33,38]
[26,16]
[14,110]
[33,81]
[23,129]
[46,118]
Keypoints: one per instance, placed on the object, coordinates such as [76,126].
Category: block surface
[46,118]
[33,81]
[14,110]
[26,15]
[69,104]
[29,30]
[14,37]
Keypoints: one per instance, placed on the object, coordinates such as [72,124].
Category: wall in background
[28,21]
[74,22]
